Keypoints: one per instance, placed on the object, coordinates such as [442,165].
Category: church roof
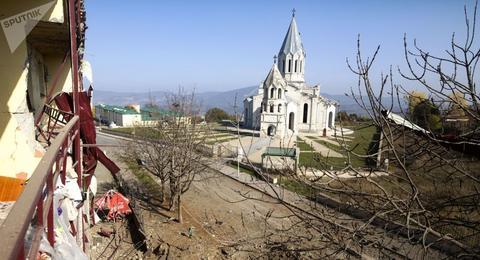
[275,78]
[292,43]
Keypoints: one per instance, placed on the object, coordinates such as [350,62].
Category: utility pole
[238,162]
[238,135]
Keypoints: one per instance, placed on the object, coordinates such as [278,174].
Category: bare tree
[420,197]
[451,75]
[173,149]
[185,144]
[432,184]
[151,153]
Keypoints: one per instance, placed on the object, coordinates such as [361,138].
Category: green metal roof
[147,113]
[152,113]
[117,109]
[278,151]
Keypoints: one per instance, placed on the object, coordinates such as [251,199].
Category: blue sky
[223,45]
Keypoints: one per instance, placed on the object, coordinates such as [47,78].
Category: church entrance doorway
[330,119]
[271,130]
[291,121]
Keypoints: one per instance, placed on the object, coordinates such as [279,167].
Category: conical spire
[291,57]
[292,43]
[274,77]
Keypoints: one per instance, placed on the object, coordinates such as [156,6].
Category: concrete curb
[114,136]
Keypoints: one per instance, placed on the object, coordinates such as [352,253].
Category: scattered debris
[227,251]
[116,203]
[106,232]
[190,232]
[162,249]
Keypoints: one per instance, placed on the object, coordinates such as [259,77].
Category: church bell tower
[291,57]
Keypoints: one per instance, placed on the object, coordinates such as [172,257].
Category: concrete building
[284,104]
[120,116]
[133,115]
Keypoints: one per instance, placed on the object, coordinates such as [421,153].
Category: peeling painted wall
[23,70]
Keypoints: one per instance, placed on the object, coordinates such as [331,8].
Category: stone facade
[284,104]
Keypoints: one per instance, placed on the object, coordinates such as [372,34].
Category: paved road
[104,177]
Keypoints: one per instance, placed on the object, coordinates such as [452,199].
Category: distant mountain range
[221,99]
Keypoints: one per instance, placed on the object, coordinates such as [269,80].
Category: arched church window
[300,68]
[271,108]
[291,121]
[280,93]
[305,113]
[279,108]
[330,119]
[289,65]
[296,61]
[271,93]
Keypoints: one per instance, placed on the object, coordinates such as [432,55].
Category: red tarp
[64,102]
[115,202]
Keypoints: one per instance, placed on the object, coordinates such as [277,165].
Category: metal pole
[73,7]
[75,90]
[238,162]
[50,208]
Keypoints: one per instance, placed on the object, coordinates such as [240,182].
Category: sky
[211,45]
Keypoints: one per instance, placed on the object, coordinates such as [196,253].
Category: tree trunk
[162,195]
[171,201]
[179,209]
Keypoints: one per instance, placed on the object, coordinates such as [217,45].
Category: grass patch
[234,132]
[148,132]
[211,142]
[217,135]
[295,186]
[292,185]
[317,161]
[360,144]
[243,169]
[303,146]
[124,130]
[362,137]
[147,181]
[331,146]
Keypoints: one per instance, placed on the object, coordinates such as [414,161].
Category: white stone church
[284,105]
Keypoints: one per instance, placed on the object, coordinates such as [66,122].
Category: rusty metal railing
[55,116]
[34,208]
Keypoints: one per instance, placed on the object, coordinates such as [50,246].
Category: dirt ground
[223,219]
[219,223]
[223,224]
[234,215]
